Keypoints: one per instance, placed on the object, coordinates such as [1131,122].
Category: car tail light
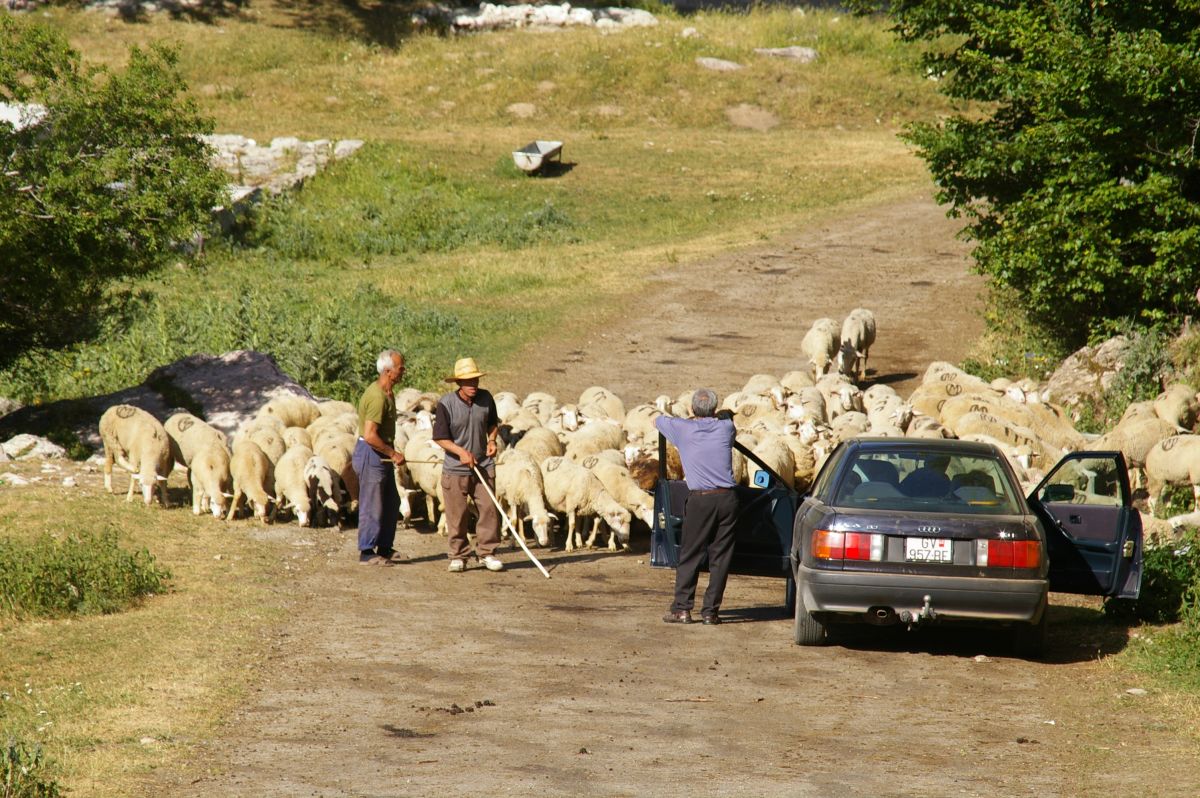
[829,545]
[1008,553]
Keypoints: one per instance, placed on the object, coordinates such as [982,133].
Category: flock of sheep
[597,459]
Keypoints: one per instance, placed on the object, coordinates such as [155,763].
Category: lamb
[424,459]
[1177,405]
[253,479]
[820,345]
[188,435]
[338,451]
[297,436]
[137,442]
[210,479]
[858,334]
[325,492]
[594,437]
[1134,439]
[292,410]
[291,487]
[620,485]
[1173,461]
[598,402]
[519,486]
[575,491]
[540,443]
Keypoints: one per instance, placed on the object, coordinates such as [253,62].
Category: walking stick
[516,535]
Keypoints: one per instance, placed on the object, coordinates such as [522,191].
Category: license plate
[928,550]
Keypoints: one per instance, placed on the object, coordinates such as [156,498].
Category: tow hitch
[925,615]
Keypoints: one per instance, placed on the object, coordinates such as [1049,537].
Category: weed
[84,574]
[23,772]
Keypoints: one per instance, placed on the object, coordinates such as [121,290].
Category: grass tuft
[23,772]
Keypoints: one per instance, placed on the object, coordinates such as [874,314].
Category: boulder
[1087,373]
[805,55]
[28,447]
[8,405]
[15,480]
[718,64]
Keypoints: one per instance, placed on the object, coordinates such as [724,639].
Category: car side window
[1089,481]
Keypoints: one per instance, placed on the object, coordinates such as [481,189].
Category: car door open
[1094,534]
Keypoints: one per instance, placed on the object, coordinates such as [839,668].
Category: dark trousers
[455,490]
[707,529]
[378,500]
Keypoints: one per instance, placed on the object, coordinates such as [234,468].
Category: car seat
[925,483]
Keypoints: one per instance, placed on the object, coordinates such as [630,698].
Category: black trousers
[707,529]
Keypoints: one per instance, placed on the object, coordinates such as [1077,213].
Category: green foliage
[23,772]
[1170,585]
[1147,367]
[85,573]
[102,188]
[378,205]
[1078,172]
[1012,347]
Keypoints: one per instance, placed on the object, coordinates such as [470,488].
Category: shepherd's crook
[516,535]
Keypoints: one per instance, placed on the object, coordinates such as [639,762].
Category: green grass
[429,240]
[74,573]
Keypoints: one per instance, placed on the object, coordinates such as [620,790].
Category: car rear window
[940,482]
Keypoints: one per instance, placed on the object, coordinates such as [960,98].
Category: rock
[228,390]
[9,405]
[718,64]
[689,33]
[28,447]
[13,480]
[522,110]
[68,482]
[751,117]
[345,148]
[1136,691]
[5,457]
[805,55]
[1087,373]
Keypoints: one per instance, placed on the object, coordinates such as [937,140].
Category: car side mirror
[1058,493]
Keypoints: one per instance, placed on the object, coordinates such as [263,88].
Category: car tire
[1029,639]
[808,631]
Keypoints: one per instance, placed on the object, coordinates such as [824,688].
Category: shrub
[84,574]
[1147,367]
[23,773]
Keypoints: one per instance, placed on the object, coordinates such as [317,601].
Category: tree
[101,186]
[1076,164]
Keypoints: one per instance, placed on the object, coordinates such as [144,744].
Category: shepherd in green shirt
[375,459]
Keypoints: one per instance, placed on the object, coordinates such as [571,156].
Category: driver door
[1094,534]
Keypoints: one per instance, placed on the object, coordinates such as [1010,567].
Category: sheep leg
[108,467]
[612,540]
[591,541]
[233,504]
[1195,497]
[162,493]
[133,477]
[571,531]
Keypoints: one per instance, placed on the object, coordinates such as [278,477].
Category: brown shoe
[680,616]
[711,620]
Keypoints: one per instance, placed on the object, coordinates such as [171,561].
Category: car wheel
[1029,639]
[808,631]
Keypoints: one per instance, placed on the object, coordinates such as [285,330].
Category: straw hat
[465,369]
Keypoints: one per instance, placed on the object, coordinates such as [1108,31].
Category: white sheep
[540,404]
[594,437]
[338,451]
[617,481]
[793,381]
[777,455]
[336,407]
[598,402]
[292,410]
[820,345]
[137,442]
[573,490]
[210,479]
[325,492]
[253,479]
[639,424]
[541,443]
[519,487]
[507,405]
[297,436]
[841,395]
[424,459]
[1173,461]
[858,334]
[188,435]
[1134,439]
[1177,405]
[291,485]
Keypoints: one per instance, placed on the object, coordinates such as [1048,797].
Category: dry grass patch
[113,697]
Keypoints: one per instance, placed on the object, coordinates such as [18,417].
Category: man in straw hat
[374,461]
[465,424]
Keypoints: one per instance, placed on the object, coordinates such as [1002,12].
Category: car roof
[937,445]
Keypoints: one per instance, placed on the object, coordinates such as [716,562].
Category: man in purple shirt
[705,446]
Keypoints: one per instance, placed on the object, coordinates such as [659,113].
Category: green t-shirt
[379,407]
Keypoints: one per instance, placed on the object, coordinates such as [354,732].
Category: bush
[1170,585]
[22,773]
[84,574]
[1147,367]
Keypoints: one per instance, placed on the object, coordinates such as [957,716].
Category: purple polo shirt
[705,449]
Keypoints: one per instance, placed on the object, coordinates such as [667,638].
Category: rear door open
[1094,533]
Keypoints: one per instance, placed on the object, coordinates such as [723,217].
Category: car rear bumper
[950,597]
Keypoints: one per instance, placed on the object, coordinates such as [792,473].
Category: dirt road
[410,681]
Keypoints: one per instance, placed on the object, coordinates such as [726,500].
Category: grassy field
[433,223]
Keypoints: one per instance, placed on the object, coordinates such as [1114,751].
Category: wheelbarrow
[536,154]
